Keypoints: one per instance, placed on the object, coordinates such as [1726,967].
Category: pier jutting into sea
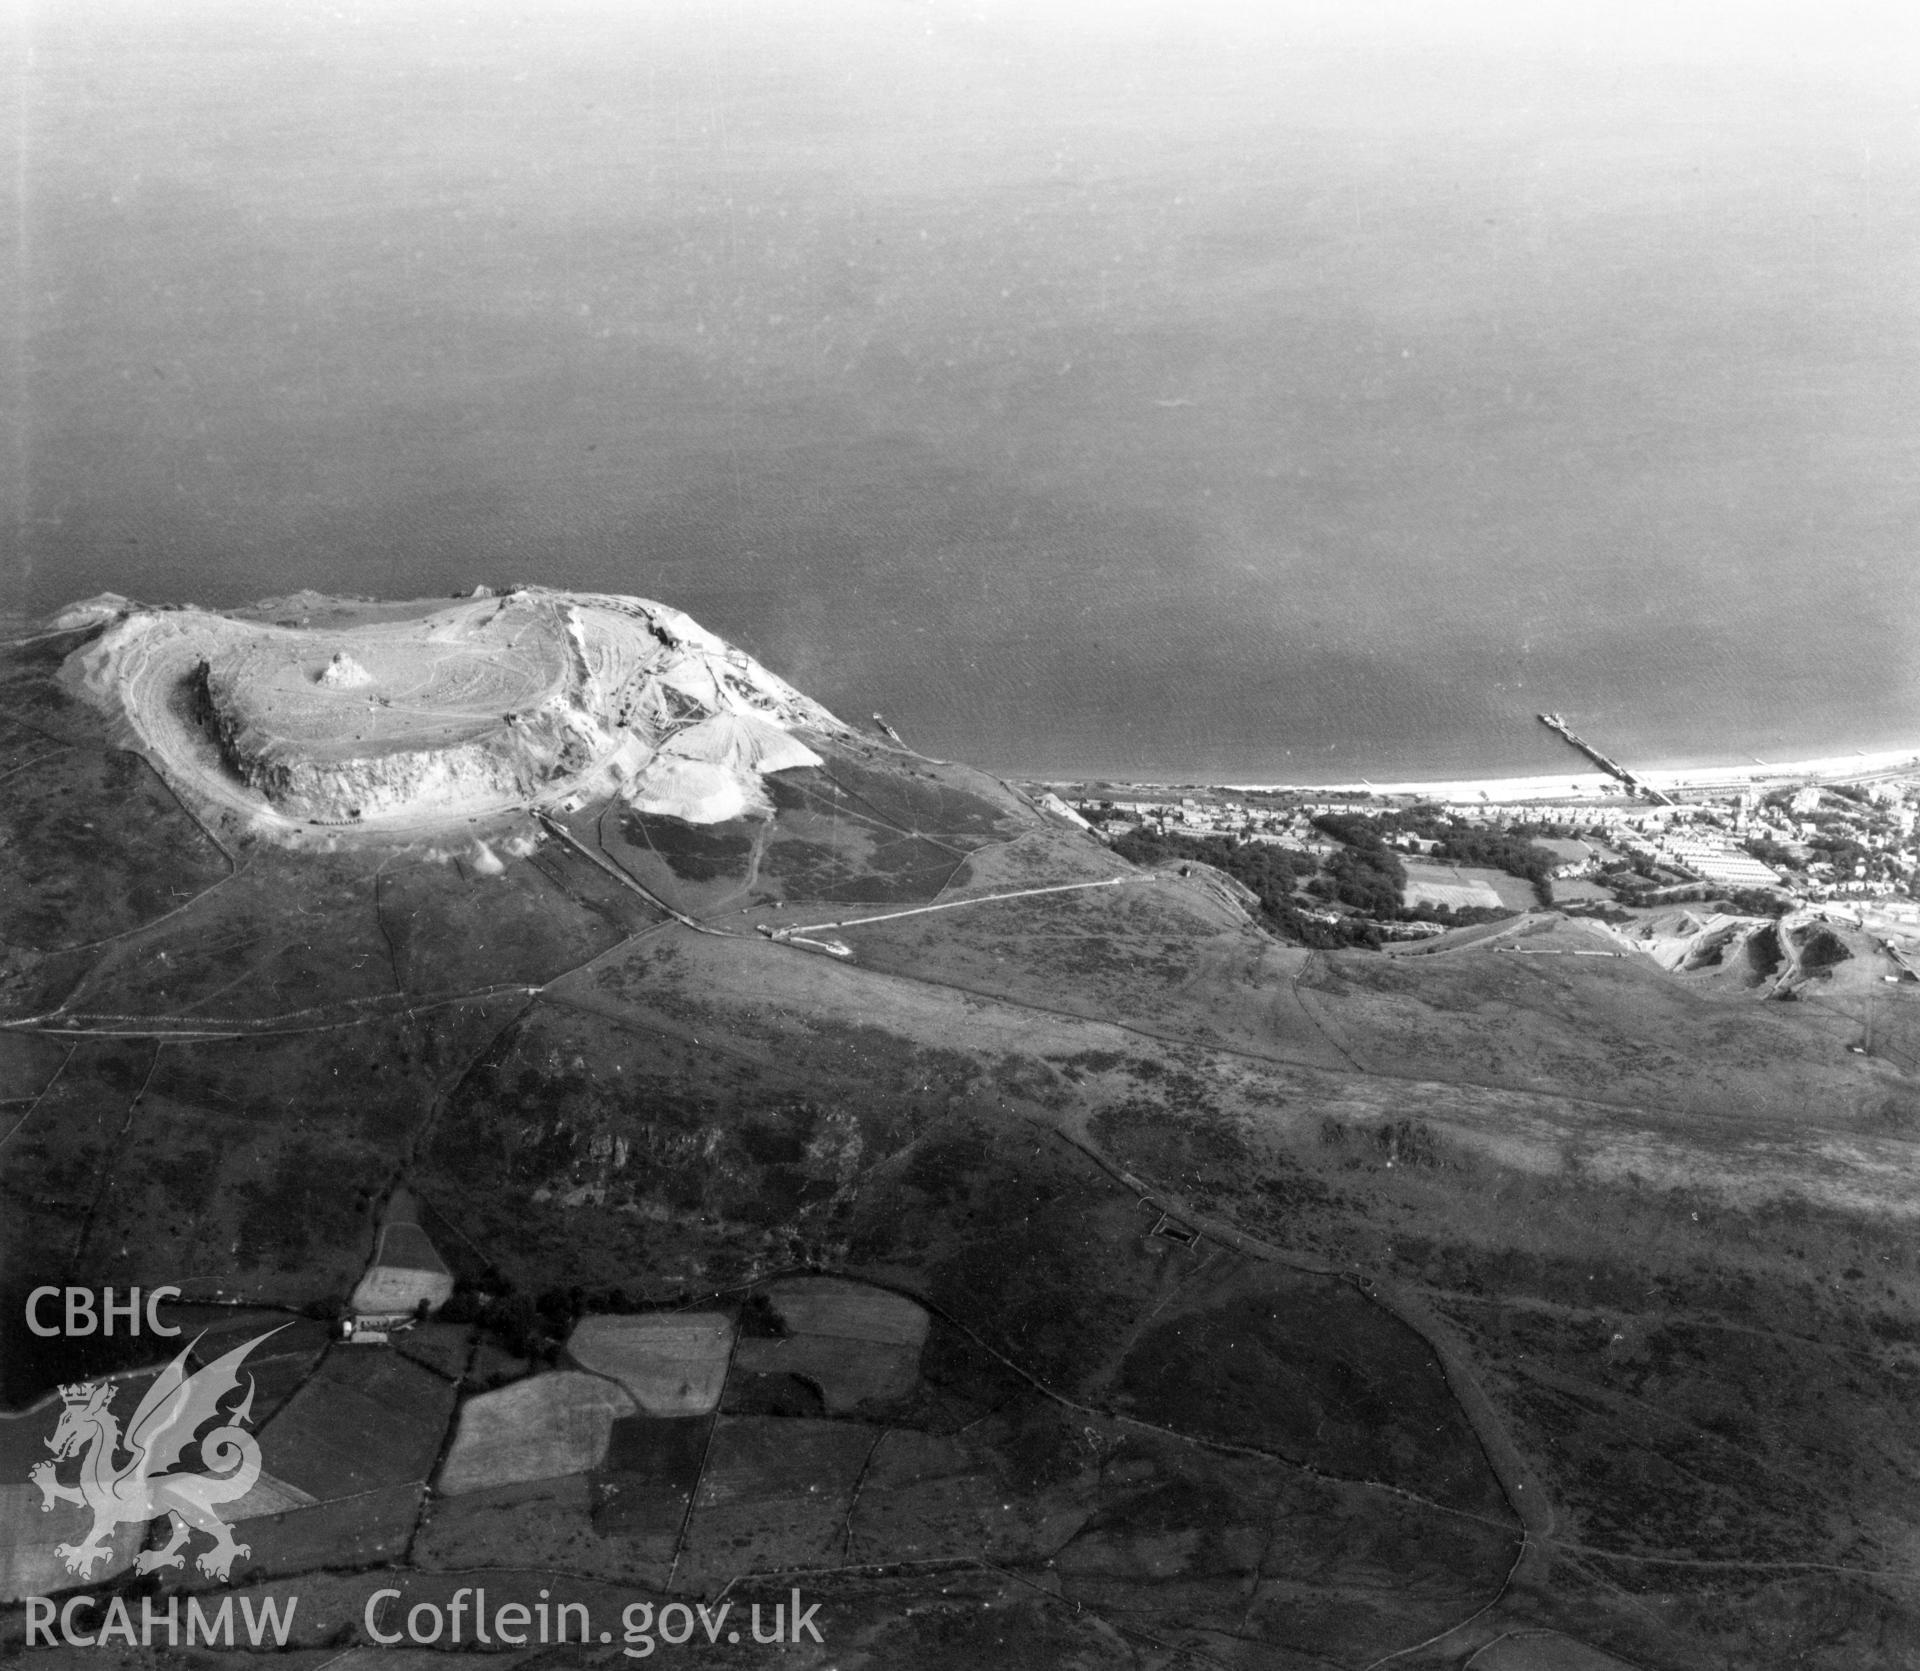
[1612,767]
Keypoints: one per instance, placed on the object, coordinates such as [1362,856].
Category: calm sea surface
[1169,399]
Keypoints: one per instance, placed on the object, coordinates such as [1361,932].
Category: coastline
[1593,785]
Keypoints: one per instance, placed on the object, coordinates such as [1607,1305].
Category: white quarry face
[483,706]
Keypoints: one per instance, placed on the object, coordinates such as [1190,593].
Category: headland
[312,714]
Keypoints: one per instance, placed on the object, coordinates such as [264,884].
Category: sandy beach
[1593,786]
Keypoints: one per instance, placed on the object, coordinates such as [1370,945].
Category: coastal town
[1410,861]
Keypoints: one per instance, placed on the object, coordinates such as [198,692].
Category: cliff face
[447,713]
[349,791]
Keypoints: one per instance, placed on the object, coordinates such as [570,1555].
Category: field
[444,1348]
[621,1519]
[774,1495]
[365,1419]
[268,1496]
[673,1363]
[1464,886]
[849,1373]
[406,1273]
[551,1425]
[652,1469]
[928,1497]
[856,1344]
[28,1564]
[816,1305]
[1578,890]
[547,1523]
[365,1530]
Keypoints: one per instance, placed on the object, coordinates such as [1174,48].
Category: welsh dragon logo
[165,1427]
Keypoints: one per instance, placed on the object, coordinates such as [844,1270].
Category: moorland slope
[1281,1307]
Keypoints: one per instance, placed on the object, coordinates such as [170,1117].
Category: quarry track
[972,899]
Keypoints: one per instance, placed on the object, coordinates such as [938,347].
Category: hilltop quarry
[402,719]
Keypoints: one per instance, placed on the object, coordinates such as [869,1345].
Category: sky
[1078,383]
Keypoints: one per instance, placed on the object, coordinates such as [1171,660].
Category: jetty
[1606,763]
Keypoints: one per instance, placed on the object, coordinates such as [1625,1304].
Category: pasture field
[849,1373]
[775,1494]
[652,1466]
[390,1290]
[406,1247]
[494,1366]
[751,1394]
[553,1424]
[857,1344]
[758,1458]
[640,1497]
[28,1564]
[406,1271]
[364,1420]
[546,1523]
[672,1363]
[278,1367]
[268,1496]
[444,1348]
[552,1523]
[1577,890]
[364,1530]
[824,1305]
[926,1498]
[24,1433]
[1430,882]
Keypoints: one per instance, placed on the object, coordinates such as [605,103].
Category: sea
[1195,393]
